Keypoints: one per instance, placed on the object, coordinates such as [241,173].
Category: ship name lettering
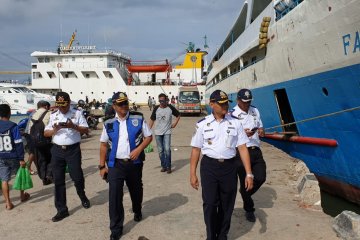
[349,42]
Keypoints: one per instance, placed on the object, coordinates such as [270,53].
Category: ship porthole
[325,91]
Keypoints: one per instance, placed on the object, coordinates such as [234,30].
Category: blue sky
[143,29]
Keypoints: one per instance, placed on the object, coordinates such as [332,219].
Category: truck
[188,100]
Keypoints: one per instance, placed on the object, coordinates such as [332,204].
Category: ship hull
[310,77]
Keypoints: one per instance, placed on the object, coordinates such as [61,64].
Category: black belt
[253,148]
[123,160]
[67,147]
[220,160]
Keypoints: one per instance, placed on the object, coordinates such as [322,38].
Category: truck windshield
[189,97]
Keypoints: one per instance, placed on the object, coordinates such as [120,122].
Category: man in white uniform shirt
[217,137]
[249,117]
[65,127]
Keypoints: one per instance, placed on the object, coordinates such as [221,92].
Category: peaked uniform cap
[62,99]
[219,97]
[119,97]
[245,95]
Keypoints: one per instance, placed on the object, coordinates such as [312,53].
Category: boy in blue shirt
[11,153]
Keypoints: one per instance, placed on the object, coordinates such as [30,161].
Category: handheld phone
[254,129]
[105,177]
[63,124]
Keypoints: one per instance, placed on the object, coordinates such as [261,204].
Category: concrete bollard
[347,225]
[309,191]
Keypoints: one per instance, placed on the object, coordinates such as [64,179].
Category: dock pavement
[172,209]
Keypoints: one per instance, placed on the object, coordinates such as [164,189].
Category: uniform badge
[135,122]
[209,142]
[208,124]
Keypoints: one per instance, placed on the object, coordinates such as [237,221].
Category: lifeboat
[149,68]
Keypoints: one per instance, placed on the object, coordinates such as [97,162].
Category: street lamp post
[58,67]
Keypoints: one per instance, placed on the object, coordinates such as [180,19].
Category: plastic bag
[23,179]
[149,148]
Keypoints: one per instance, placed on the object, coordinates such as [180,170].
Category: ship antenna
[205,44]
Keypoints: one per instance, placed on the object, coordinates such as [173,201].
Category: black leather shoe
[250,216]
[137,217]
[115,236]
[60,216]
[85,203]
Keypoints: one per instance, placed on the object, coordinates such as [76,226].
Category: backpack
[37,132]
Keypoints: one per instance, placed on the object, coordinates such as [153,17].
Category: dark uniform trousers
[132,175]
[43,161]
[70,155]
[219,189]
[258,167]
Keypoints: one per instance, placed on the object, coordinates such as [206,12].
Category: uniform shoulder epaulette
[234,116]
[111,120]
[252,106]
[201,120]
[54,111]
[136,113]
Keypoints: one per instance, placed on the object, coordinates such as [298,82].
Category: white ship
[301,59]
[86,71]
[20,98]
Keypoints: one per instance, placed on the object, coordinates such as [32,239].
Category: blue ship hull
[316,98]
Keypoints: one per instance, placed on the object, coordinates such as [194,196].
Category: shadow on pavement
[264,198]
[157,206]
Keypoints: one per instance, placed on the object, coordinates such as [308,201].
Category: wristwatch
[101,167]
[250,175]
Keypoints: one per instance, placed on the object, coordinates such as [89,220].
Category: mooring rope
[314,118]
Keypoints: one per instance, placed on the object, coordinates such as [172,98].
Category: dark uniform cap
[245,95]
[119,97]
[62,99]
[219,97]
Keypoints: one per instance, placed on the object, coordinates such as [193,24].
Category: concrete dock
[171,208]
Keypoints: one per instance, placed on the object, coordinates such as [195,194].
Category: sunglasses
[124,103]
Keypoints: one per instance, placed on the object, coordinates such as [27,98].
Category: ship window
[253,59]
[325,91]
[70,92]
[47,59]
[103,93]
[16,101]
[92,92]
[87,75]
[135,92]
[169,92]
[81,92]
[73,59]
[9,91]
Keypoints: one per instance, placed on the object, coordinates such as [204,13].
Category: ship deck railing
[287,8]
[233,73]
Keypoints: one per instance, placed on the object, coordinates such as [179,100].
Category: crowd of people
[227,140]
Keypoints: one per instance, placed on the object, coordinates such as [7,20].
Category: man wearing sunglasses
[217,137]
[162,114]
[127,134]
